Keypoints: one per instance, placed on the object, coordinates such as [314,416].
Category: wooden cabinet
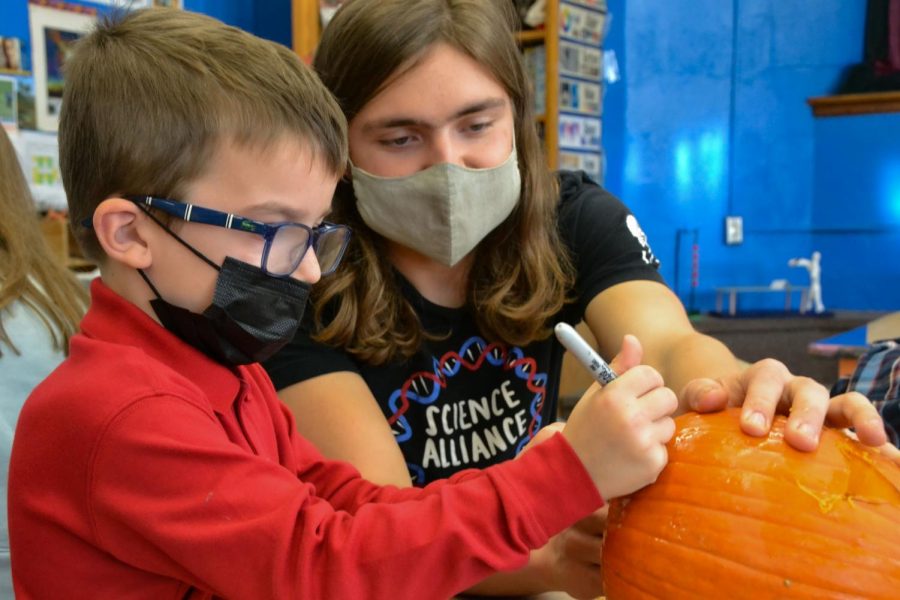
[55,229]
[545,44]
[306,27]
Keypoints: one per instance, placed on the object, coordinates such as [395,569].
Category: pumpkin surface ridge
[751,506]
[630,584]
[773,473]
[799,519]
[739,517]
[753,479]
[728,568]
[812,552]
[742,503]
[756,522]
[769,580]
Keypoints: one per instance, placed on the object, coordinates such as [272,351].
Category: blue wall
[856,209]
[270,19]
[711,120]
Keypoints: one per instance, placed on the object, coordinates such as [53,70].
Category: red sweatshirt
[143,469]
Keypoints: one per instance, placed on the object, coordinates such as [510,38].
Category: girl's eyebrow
[480,107]
[392,122]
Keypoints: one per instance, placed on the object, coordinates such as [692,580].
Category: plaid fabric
[877,376]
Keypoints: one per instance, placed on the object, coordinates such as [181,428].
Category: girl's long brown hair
[522,272]
[29,271]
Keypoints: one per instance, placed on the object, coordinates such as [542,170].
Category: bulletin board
[54,29]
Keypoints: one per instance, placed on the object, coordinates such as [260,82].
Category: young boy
[157,462]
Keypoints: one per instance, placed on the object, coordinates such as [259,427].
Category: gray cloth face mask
[443,211]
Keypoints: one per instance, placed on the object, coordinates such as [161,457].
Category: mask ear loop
[149,284]
[165,227]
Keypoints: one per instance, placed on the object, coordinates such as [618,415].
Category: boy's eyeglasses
[285,243]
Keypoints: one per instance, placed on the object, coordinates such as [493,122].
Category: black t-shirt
[463,401]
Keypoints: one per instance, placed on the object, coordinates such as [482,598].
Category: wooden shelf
[76,263]
[63,246]
[551,117]
[530,37]
[855,104]
[306,28]
[16,72]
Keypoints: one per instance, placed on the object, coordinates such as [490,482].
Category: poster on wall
[131,4]
[25,102]
[9,104]
[54,29]
[39,155]
[582,24]
[580,133]
[136,4]
[598,4]
[579,61]
[580,97]
[589,162]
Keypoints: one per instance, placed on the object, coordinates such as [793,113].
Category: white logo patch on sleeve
[646,253]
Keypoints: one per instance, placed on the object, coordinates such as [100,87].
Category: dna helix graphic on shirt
[450,430]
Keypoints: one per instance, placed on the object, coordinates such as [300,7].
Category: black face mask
[252,316]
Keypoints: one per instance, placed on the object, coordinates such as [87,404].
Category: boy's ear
[119,225]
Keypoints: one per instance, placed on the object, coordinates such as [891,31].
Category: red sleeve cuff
[552,484]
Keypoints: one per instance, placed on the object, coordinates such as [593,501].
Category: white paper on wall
[580,96]
[39,156]
[579,133]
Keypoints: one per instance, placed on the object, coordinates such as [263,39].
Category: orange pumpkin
[733,516]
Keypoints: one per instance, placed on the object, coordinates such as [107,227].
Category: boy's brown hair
[151,95]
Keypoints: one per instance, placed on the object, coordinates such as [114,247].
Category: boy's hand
[620,431]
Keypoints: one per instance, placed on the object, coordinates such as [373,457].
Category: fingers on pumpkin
[768,388]
[704,395]
[891,452]
[807,413]
[855,410]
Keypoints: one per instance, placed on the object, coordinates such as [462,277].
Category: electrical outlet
[734,230]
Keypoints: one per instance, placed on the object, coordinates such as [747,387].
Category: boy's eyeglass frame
[208,216]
